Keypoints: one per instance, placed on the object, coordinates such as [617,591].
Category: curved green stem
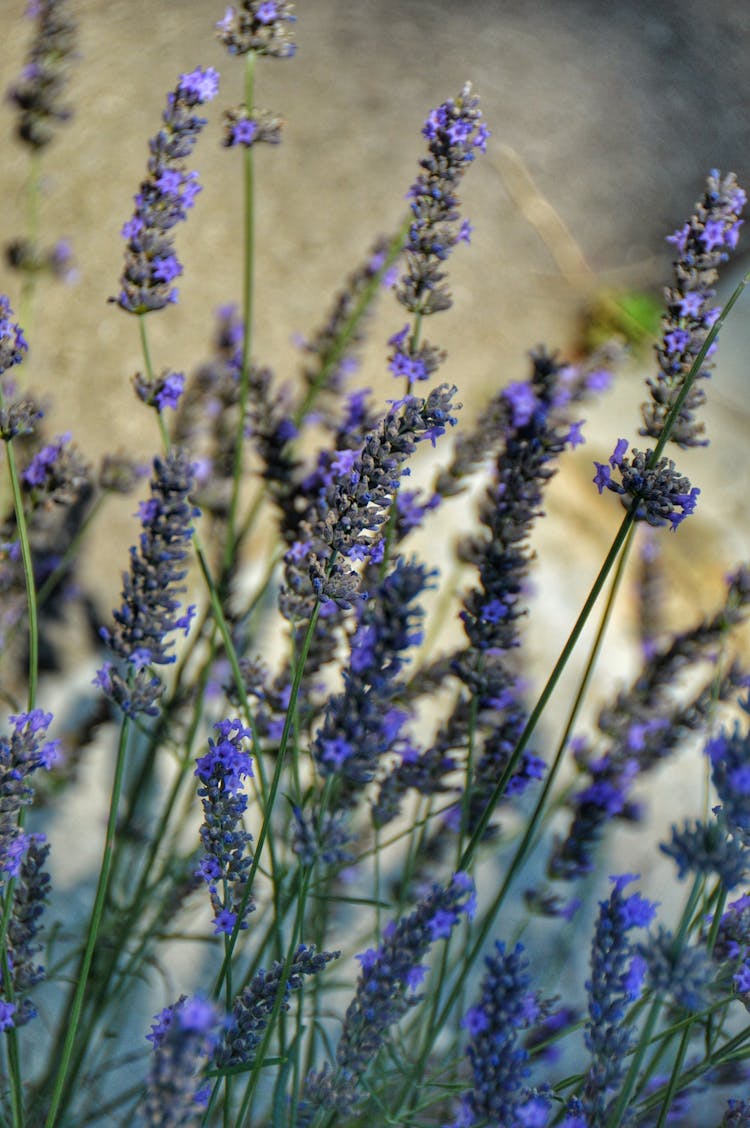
[59,1096]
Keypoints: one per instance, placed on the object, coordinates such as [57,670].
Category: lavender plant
[310,873]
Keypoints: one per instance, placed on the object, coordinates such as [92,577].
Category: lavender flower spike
[385,992]
[254,1005]
[183,1036]
[38,92]
[151,264]
[616,980]
[227,857]
[13,344]
[455,132]
[498,1063]
[702,244]
[149,610]
[21,755]
[259,26]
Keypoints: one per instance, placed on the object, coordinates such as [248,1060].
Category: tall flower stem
[247,315]
[61,1095]
[28,570]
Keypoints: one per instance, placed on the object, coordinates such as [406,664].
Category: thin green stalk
[28,570]
[33,224]
[60,1097]
[247,315]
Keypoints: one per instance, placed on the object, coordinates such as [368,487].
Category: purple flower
[454,132]
[164,198]
[21,755]
[663,496]
[30,891]
[13,344]
[384,993]
[702,244]
[227,857]
[38,95]
[260,26]
[610,990]
[184,1037]
[252,1008]
[360,726]
[729,753]
[499,1063]
[149,611]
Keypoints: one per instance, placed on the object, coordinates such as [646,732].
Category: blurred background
[605,120]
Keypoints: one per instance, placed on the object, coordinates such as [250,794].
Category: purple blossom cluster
[244,128]
[386,990]
[184,1037]
[22,754]
[662,495]
[732,945]
[13,344]
[253,1006]
[362,724]
[150,609]
[644,726]
[38,94]
[227,856]
[507,1006]
[31,886]
[617,974]
[355,502]
[455,132]
[729,753]
[261,26]
[701,245]
[166,195]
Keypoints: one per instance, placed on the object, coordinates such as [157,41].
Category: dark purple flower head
[261,26]
[455,133]
[38,94]
[198,87]
[385,991]
[706,848]
[226,843]
[663,495]
[30,891]
[506,1007]
[253,1006]
[13,344]
[165,196]
[150,610]
[701,245]
[614,984]
[729,753]
[243,129]
[24,752]
[184,1037]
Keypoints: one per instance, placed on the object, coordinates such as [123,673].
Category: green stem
[74,1011]
[247,315]
[28,570]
